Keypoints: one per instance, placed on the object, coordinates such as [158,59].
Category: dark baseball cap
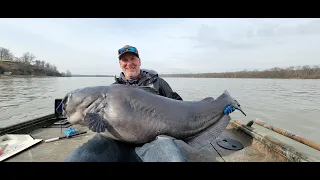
[128,49]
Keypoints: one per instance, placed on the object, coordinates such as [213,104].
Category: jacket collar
[143,76]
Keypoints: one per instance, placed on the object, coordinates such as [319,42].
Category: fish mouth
[76,118]
[63,103]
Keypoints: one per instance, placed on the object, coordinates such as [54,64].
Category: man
[130,63]
[103,149]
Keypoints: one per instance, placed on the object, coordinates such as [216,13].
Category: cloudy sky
[89,46]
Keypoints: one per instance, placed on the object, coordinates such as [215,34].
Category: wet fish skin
[131,114]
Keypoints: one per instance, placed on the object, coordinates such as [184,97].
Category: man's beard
[131,75]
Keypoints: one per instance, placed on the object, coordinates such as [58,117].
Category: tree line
[27,64]
[299,72]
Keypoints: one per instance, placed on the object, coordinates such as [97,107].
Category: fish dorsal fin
[208,99]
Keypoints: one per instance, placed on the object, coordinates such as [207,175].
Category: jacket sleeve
[166,90]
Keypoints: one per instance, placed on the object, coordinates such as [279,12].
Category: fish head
[77,103]
[72,109]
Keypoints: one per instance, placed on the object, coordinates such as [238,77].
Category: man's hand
[228,110]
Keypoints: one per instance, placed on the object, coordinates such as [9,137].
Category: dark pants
[103,149]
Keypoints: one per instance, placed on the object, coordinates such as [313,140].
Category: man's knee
[97,149]
[163,149]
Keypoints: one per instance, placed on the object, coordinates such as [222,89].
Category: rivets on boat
[230,144]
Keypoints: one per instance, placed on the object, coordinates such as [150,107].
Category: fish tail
[236,105]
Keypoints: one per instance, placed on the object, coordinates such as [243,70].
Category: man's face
[130,65]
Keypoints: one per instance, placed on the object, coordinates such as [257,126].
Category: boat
[239,142]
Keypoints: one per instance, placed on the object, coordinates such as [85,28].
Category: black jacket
[150,78]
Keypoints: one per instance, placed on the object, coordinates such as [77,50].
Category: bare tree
[48,66]
[54,68]
[68,73]
[27,58]
[42,64]
[38,63]
[16,59]
[5,54]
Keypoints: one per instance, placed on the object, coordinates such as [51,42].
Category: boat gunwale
[30,125]
[271,143]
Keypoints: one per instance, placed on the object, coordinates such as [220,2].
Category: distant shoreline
[300,72]
[44,76]
[238,78]
[92,75]
[28,76]
[163,76]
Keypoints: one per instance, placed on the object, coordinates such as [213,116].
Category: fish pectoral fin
[95,122]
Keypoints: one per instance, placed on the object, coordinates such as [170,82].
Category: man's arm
[166,90]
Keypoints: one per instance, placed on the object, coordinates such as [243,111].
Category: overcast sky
[89,46]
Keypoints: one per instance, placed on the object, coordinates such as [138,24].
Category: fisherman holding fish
[103,149]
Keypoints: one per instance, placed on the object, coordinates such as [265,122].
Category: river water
[293,105]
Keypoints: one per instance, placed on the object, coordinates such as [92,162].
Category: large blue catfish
[133,115]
